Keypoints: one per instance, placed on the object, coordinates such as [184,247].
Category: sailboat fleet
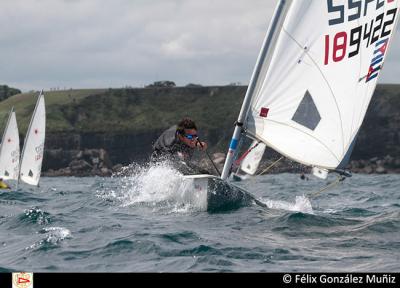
[26,168]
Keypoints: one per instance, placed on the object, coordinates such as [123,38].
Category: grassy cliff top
[128,110]
[138,110]
[24,105]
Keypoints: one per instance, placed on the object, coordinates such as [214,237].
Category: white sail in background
[318,77]
[32,153]
[252,160]
[9,149]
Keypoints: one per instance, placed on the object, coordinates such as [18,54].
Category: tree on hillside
[235,84]
[165,83]
[193,85]
[6,92]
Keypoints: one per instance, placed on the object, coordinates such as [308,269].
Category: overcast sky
[117,43]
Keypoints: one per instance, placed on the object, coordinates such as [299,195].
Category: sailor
[4,185]
[178,143]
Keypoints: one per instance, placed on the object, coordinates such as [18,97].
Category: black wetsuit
[169,148]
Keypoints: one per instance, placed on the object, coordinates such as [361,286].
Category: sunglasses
[190,136]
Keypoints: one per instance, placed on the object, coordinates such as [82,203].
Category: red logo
[22,280]
[264,112]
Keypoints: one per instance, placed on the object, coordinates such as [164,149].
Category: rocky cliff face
[377,148]
[64,149]
[77,154]
[380,133]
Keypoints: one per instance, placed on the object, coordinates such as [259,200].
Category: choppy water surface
[140,221]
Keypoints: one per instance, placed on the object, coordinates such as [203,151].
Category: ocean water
[140,221]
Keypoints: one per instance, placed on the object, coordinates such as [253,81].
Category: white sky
[116,43]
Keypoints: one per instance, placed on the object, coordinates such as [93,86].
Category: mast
[250,90]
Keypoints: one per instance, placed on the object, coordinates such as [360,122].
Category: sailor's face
[189,137]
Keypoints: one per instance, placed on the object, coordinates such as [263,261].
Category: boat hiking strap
[339,178]
[270,166]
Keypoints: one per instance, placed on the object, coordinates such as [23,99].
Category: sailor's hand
[180,156]
[201,145]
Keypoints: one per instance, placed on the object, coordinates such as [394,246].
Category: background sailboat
[32,153]
[9,149]
[252,159]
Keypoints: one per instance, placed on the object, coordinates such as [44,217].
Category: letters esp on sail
[314,87]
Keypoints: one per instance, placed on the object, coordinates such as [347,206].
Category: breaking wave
[157,185]
[301,204]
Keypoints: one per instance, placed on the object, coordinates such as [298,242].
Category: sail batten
[319,77]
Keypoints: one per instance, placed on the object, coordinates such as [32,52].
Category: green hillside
[139,110]
[129,110]
[126,122]
[56,101]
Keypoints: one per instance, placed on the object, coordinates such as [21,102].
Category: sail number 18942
[348,43]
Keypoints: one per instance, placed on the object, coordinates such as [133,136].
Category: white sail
[252,160]
[315,84]
[32,153]
[9,149]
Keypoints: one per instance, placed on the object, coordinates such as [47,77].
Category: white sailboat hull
[218,195]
